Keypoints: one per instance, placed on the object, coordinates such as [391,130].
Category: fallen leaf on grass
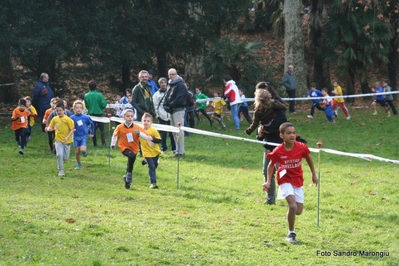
[184,212]
[378,144]
[75,197]
[384,198]
[344,207]
[373,192]
[354,183]
[362,124]
[243,166]
[328,172]
[70,220]
[368,148]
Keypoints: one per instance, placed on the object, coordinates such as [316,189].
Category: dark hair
[284,126]
[262,85]
[60,105]
[387,81]
[313,85]
[81,96]
[92,85]
[227,77]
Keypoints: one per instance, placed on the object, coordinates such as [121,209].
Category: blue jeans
[234,113]
[152,166]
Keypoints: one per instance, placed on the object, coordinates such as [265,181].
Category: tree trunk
[162,64]
[350,86]
[126,82]
[293,43]
[194,69]
[8,94]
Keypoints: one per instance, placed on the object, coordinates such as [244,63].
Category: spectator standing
[95,104]
[175,104]
[189,114]
[142,97]
[231,92]
[42,95]
[388,97]
[290,85]
[162,115]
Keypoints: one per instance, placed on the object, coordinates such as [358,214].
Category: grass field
[216,217]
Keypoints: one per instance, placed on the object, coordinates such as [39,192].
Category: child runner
[327,101]
[19,124]
[64,128]
[244,107]
[128,142]
[46,122]
[314,92]
[151,149]
[380,99]
[388,97]
[81,98]
[83,126]
[31,118]
[201,106]
[339,101]
[289,156]
[218,106]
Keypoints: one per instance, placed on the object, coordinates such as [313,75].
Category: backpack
[189,99]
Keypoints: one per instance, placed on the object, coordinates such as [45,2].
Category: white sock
[289,232]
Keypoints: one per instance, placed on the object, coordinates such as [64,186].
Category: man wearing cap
[151,82]
[162,115]
[142,97]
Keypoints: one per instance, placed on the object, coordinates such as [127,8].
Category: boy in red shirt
[128,134]
[289,156]
[19,124]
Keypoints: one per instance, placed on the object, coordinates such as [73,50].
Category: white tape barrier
[167,128]
[285,99]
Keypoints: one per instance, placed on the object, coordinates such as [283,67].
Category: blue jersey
[83,125]
[379,97]
[315,93]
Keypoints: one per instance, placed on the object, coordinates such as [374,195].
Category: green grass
[216,217]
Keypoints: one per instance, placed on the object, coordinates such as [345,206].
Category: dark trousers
[390,102]
[50,137]
[316,105]
[20,137]
[245,111]
[164,136]
[152,167]
[102,132]
[291,94]
[202,111]
[131,158]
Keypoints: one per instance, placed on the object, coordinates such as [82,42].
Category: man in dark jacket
[142,97]
[175,104]
[42,94]
[290,85]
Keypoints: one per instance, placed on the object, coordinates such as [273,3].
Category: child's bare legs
[374,105]
[294,208]
[77,154]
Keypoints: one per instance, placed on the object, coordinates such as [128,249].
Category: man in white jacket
[231,92]
[162,115]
